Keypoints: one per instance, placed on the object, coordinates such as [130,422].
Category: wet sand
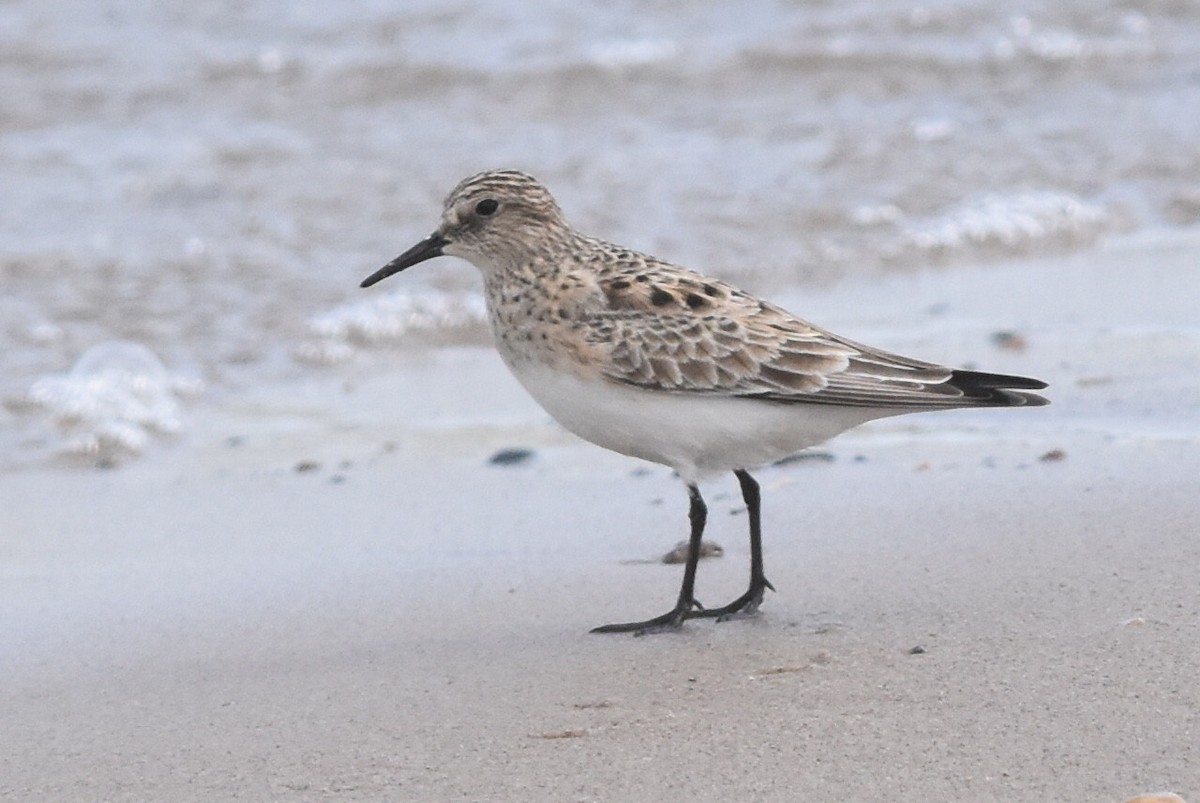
[326,592]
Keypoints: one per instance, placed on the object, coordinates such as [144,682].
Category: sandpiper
[655,361]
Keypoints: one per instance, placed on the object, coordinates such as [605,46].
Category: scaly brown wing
[672,330]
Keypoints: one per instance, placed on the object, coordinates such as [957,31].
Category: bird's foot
[745,605]
[669,622]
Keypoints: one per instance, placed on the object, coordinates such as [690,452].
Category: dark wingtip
[1019,399]
[999,390]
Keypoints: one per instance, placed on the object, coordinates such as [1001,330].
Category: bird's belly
[696,434]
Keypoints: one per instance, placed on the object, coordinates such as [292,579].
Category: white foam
[934,129]
[114,400]
[1013,219]
[615,54]
[386,319]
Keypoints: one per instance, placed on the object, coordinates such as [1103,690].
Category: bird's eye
[487,206]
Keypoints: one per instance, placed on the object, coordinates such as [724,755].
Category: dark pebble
[511,457]
[1011,341]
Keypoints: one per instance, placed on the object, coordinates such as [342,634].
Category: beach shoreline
[325,591]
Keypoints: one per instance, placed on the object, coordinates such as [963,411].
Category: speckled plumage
[656,361]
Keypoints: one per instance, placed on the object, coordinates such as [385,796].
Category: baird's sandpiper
[652,360]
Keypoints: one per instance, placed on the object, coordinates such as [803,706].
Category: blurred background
[190,192]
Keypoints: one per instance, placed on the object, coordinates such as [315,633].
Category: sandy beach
[295,573]
[330,593]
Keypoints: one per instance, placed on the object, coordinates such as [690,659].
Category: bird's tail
[998,390]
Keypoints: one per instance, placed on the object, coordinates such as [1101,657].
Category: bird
[655,361]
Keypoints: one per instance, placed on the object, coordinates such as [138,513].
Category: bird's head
[492,219]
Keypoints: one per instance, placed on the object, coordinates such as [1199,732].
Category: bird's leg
[672,619]
[747,603]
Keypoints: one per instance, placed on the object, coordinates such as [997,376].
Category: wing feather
[668,329]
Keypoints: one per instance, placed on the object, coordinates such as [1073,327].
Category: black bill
[428,248]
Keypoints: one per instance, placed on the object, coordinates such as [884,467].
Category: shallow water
[211,181]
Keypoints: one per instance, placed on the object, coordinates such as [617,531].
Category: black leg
[671,620]
[747,603]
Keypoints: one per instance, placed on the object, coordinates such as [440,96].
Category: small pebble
[781,670]
[511,457]
[917,650]
[708,549]
[1053,456]
[571,734]
[307,465]
[1011,341]
[597,704]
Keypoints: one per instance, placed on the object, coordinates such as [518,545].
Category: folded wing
[684,333]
